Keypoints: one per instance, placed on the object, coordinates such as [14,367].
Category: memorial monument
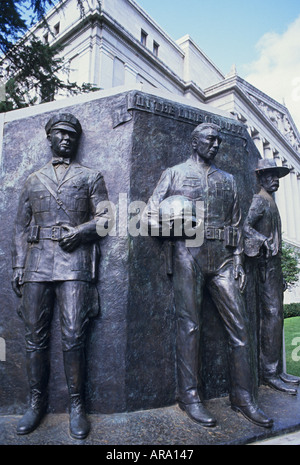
[127,139]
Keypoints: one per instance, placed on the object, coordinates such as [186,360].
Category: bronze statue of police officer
[54,258]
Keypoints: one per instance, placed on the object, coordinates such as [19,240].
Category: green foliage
[290,264]
[292,343]
[11,23]
[33,75]
[291,310]
[87,87]
[15,18]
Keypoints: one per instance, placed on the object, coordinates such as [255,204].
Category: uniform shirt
[218,192]
[262,222]
[81,190]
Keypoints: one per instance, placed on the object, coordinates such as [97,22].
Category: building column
[106,68]
[296,203]
[280,198]
[257,140]
[292,200]
[290,229]
[298,207]
[94,71]
[267,151]
[130,75]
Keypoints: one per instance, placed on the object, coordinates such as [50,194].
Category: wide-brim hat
[64,121]
[268,164]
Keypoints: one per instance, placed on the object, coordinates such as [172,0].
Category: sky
[260,37]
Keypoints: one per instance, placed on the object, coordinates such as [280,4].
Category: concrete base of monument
[165,426]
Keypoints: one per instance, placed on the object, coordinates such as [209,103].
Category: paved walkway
[169,426]
[292,439]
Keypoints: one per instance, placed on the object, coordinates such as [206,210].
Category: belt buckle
[218,234]
[55,233]
[210,233]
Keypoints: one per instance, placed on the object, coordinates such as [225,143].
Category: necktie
[60,166]
[60,160]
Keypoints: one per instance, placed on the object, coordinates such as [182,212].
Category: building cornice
[194,89]
[105,19]
[156,26]
[240,87]
[99,10]
[188,38]
[100,17]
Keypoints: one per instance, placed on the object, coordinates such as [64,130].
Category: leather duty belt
[229,234]
[214,233]
[37,233]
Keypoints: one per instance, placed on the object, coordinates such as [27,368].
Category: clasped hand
[68,243]
[71,239]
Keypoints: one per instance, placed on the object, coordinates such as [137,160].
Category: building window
[155,48]
[46,38]
[144,36]
[56,29]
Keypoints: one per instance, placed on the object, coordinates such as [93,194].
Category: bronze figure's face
[63,143]
[270,181]
[206,144]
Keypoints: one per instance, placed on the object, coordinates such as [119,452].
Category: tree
[32,76]
[32,70]
[17,16]
[290,264]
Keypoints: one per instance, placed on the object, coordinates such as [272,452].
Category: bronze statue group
[55,247]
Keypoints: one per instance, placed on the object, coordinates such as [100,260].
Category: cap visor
[65,127]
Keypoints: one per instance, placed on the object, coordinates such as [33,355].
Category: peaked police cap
[64,121]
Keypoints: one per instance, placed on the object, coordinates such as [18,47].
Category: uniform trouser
[189,281]
[271,315]
[37,310]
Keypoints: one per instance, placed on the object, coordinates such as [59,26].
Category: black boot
[243,390]
[253,414]
[74,362]
[37,363]
[198,413]
[289,378]
[79,424]
[279,385]
[31,419]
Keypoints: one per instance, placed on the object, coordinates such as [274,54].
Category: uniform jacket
[262,222]
[81,190]
[216,188]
